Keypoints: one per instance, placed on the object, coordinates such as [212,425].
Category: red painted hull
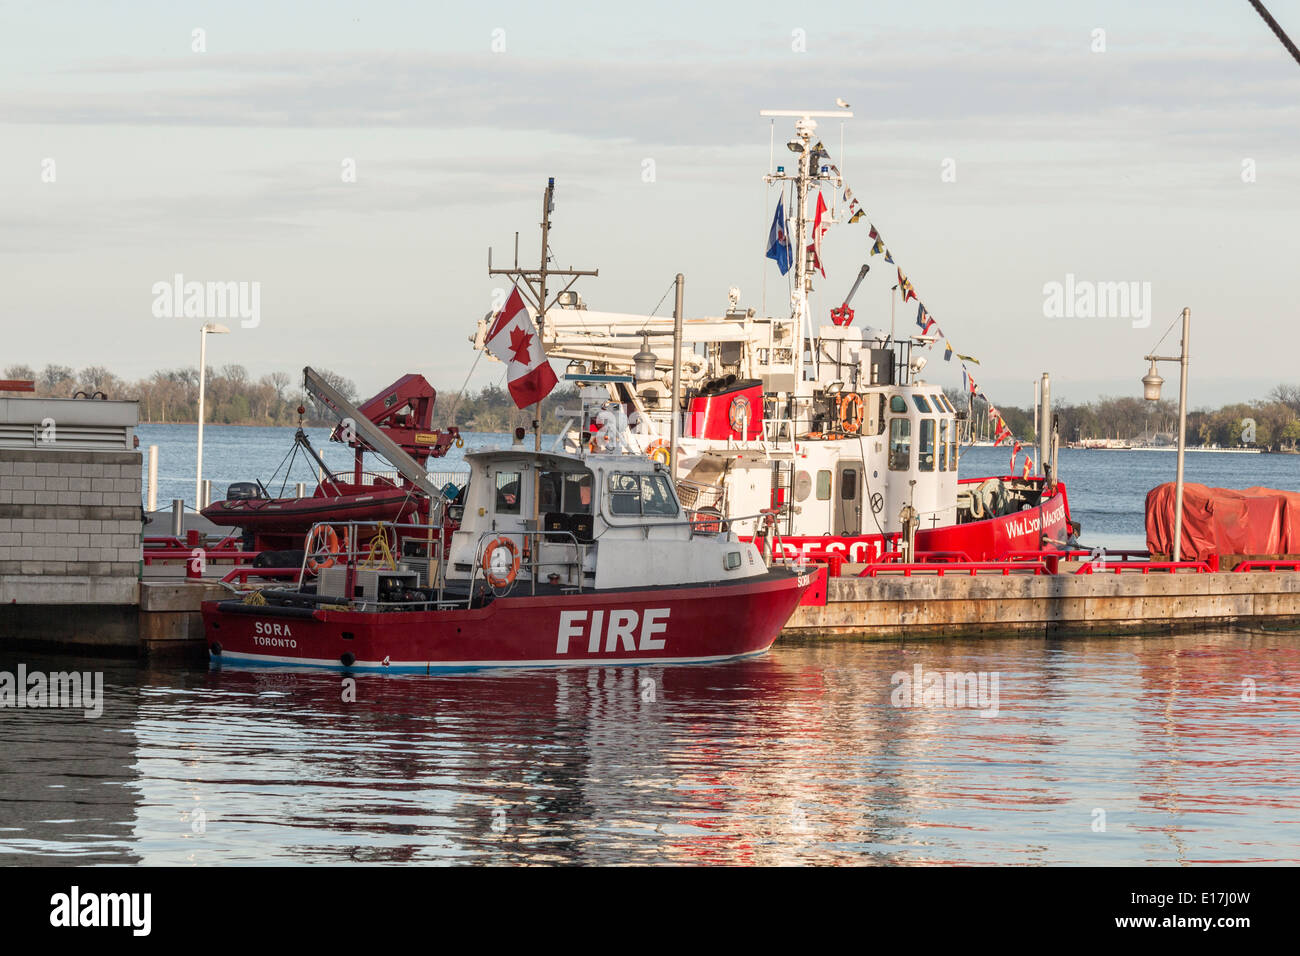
[649,625]
[988,540]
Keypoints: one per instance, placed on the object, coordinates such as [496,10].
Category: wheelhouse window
[925,446]
[637,495]
[577,493]
[823,486]
[508,487]
[921,404]
[900,444]
[849,484]
[566,491]
[943,445]
[898,404]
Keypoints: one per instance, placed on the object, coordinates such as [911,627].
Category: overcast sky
[227,165]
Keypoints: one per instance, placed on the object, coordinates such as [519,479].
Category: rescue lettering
[620,630]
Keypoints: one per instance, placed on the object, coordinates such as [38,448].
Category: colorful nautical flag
[920,313]
[888,257]
[778,240]
[947,351]
[818,231]
[968,358]
[513,340]
[857,215]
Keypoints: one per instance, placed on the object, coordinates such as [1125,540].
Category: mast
[804,180]
[534,289]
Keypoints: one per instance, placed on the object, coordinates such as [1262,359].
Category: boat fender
[496,573]
[215,648]
[460,442]
[850,412]
[348,659]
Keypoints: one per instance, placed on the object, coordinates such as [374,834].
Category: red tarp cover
[1224,521]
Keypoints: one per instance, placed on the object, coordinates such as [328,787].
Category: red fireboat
[617,573]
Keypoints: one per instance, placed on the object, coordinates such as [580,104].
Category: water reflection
[794,757]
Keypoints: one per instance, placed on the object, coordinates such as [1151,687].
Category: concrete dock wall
[961,605]
[69,526]
[69,522]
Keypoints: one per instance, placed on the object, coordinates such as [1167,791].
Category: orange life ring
[660,452]
[495,578]
[850,412]
[329,544]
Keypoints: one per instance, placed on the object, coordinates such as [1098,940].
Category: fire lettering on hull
[620,630]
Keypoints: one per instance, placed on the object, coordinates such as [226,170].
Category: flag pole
[548,202]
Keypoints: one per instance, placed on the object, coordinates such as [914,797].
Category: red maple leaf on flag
[519,340]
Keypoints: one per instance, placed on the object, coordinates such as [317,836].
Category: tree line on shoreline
[1272,424]
[233,397]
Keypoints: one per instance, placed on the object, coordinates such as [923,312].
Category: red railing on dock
[244,573]
[1266,565]
[1146,567]
[962,567]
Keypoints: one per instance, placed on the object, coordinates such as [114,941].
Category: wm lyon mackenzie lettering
[620,629]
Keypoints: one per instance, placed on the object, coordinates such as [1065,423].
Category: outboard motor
[243,491]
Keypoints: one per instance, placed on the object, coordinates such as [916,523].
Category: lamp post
[1151,383]
[203,369]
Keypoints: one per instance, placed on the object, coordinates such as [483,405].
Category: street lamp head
[1151,383]
[644,362]
[215,328]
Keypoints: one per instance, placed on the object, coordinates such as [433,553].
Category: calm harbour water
[1103,750]
[794,757]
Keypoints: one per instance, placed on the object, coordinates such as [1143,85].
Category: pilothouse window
[823,486]
[925,449]
[900,444]
[568,492]
[641,495]
[507,493]
[921,404]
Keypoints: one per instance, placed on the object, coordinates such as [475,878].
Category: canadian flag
[514,340]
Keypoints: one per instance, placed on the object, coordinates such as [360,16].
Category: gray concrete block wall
[70,524]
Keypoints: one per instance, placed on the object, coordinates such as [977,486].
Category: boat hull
[990,539]
[299,514]
[695,624]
